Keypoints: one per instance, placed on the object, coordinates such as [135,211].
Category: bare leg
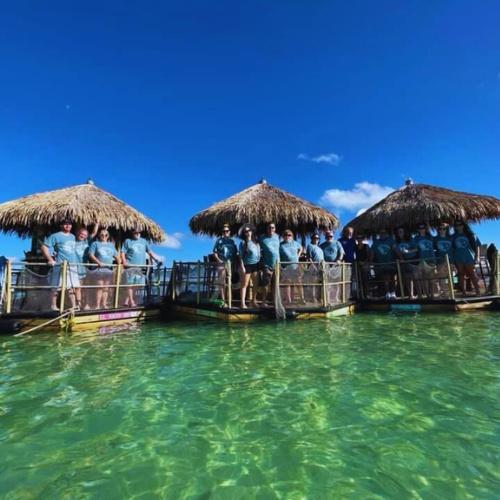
[255,287]
[54,301]
[243,290]
[470,271]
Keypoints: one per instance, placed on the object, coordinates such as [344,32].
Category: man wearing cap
[63,245]
[334,252]
[133,254]
[314,254]
[224,251]
[270,246]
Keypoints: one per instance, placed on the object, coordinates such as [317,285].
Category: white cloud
[13,259]
[172,240]
[362,196]
[330,158]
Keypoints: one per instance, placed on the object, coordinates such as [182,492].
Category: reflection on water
[369,406]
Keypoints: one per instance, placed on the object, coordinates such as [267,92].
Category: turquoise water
[364,407]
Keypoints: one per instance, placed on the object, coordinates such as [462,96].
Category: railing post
[323,267]
[400,280]
[172,279]
[117,285]
[229,289]
[450,277]
[64,269]
[277,279]
[342,278]
[359,292]
[497,283]
[8,289]
[198,279]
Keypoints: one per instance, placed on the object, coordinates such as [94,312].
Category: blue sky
[172,106]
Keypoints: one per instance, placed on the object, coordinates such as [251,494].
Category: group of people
[258,255]
[81,249]
[422,257]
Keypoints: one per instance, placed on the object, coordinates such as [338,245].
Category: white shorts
[72,278]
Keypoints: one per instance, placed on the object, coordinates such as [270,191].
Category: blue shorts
[134,276]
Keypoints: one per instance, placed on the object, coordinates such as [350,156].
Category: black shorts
[251,268]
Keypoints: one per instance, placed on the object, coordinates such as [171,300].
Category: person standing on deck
[348,243]
[63,244]
[291,272]
[249,251]
[224,251]
[82,245]
[427,260]
[134,253]
[270,246]
[334,253]
[466,255]
[315,255]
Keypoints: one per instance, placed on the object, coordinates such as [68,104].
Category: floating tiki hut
[415,204]
[39,214]
[262,204]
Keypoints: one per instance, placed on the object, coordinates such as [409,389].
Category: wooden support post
[359,292]
[496,289]
[342,278]
[400,280]
[277,279]
[324,290]
[198,282]
[229,280]
[8,289]
[450,277]
[172,280]
[117,285]
[64,271]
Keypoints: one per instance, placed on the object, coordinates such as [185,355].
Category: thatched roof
[84,204]
[415,204]
[262,204]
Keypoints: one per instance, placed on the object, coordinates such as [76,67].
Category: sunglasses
[442,229]
[104,234]
[459,224]
[248,230]
[226,230]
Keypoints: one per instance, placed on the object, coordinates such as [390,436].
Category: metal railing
[36,287]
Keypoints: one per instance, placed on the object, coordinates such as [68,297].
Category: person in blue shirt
[249,251]
[133,256]
[290,271]
[348,243]
[384,251]
[443,245]
[63,246]
[314,254]
[409,270]
[334,253]
[270,247]
[224,251]
[427,258]
[102,253]
[466,255]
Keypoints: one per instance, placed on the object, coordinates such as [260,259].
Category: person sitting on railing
[82,245]
[466,255]
[102,253]
[443,245]
[315,255]
[63,244]
[291,273]
[427,260]
[409,270]
[224,251]
[384,251]
[134,253]
[249,250]
[270,247]
[334,253]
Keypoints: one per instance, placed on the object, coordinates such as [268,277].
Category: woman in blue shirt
[408,248]
[427,260]
[443,246]
[466,255]
[249,250]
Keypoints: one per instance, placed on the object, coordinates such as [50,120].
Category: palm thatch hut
[261,204]
[39,214]
[415,204]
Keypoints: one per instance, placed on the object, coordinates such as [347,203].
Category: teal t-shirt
[135,251]
[407,248]
[314,253]
[270,246]
[103,251]
[63,245]
[463,252]
[289,253]
[333,250]
[383,250]
[443,246]
[81,250]
[250,255]
[225,248]
[425,248]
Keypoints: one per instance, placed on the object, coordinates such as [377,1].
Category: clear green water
[365,407]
